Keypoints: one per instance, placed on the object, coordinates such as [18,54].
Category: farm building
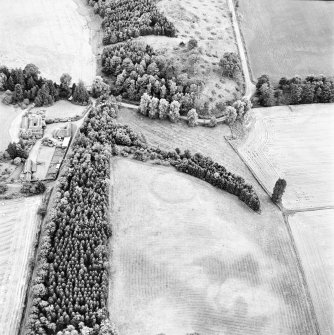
[29,168]
[66,142]
[63,132]
[32,125]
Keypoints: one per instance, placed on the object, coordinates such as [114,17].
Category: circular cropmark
[172,187]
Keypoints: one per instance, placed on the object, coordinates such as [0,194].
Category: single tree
[192,44]
[31,70]
[174,111]
[145,102]
[65,85]
[80,93]
[163,108]
[153,110]
[230,65]
[230,115]
[18,93]
[266,95]
[192,118]
[278,191]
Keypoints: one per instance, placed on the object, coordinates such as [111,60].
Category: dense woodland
[135,69]
[28,86]
[312,89]
[126,19]
[70,288]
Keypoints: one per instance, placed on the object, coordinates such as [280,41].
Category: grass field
[187,257]
[7,116]
[52,35]
[63,109]
[208,141]
[287,37]
[314,233]
[295,143]
[18,226]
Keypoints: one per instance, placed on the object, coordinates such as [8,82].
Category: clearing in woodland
[187,257]
[63,109]
[287,38]
[209,22]
[295,143]
[50,34]
[18,228]
[313,232]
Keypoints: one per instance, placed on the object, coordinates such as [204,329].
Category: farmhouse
[32,125]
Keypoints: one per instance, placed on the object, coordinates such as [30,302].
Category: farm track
[18,227]
[250,87]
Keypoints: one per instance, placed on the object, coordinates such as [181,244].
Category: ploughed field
[287,38]
[295,143]
[313,232]
[50,34]
[18,228]
[186,257]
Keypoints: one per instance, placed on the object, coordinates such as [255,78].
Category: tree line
[28,85]
[312,89]
[126,19]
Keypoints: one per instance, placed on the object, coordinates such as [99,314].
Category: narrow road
[250,87]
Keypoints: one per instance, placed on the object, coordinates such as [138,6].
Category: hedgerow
[125,19]
[312,89]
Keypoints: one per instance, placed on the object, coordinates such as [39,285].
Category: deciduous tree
[278,191]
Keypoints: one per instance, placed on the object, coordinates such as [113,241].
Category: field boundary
[34,252]
[285,214]
[245,46]
[302,274]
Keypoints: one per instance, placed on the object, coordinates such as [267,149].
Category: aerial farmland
[166,167]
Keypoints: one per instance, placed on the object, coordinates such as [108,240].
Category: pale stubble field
[187,257]
[313,232]
[295,143]
[50,34]
[18,228]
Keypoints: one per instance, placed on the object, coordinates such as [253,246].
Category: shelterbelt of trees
[125,19]
[28,85]
[312,89]
[70,288]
